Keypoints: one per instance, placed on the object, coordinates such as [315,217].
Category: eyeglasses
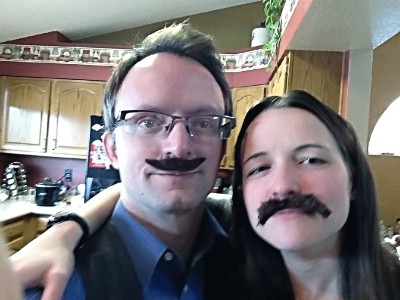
[151,123]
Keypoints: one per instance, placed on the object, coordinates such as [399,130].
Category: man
[167,110]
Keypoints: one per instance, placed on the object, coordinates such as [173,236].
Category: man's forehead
[147,61]
[164,59]
[167,78]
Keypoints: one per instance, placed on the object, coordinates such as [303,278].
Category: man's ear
[110,148]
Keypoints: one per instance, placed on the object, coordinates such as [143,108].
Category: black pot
[47,192]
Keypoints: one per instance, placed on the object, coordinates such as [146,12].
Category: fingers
[57,278]
[55,286]
[28,275]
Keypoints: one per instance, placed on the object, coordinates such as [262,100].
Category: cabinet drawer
[13,230]
[16,244]
[41,225]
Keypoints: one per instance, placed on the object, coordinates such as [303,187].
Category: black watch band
[63,216]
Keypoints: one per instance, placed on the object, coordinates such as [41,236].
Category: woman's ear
[110,148]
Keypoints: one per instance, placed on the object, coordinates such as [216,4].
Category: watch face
[63,216]
[58,217]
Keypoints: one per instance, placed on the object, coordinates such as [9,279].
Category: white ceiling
[341,25]
[329,25]
[85,18]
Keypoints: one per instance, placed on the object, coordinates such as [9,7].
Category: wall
[386,172]
[385,88]
[231,27]
[38,167]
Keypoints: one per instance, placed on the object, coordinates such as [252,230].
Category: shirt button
[168,256]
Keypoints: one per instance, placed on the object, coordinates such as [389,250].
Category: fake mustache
[176,164]
[308,203]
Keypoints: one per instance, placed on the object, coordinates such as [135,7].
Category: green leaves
[273,11]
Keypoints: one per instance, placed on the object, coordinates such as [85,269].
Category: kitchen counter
[11,209]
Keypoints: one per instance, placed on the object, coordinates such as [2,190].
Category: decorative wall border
[254,59]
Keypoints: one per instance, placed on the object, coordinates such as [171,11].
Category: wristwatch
[65,215]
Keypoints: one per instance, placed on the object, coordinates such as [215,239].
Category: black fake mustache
[176,164]
[308,203]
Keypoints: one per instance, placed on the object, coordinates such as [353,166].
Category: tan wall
[386,172]
[385,88]
[231,27]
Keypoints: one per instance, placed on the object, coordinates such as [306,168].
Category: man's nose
[171,126]
[179,142]
[285,181]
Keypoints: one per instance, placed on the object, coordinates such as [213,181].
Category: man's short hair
[178,39]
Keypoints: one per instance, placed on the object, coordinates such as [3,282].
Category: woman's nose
[285,181]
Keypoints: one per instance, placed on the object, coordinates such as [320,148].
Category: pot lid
[48,182]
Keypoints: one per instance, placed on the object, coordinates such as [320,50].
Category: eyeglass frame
[120,121]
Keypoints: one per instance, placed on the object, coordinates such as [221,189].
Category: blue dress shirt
[162,273]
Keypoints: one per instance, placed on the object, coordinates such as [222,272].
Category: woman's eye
[258,170]
[313,161]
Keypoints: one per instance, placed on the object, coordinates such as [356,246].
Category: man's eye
[258,170]
[148,122]
[205,123]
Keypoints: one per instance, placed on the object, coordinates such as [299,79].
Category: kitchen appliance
[100,174]
[47,192]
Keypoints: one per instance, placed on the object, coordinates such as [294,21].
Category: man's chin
[179,201]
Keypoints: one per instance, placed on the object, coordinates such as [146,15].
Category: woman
[291,146]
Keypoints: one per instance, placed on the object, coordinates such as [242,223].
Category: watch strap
[64,216]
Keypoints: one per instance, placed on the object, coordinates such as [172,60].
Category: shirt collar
[145,255]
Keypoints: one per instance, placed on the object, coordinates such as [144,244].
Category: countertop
[11,209]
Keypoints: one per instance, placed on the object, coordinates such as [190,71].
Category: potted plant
[273,11]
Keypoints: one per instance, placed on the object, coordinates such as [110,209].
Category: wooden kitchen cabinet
[72,104]
[25,106]
[34,226]
[317,72]
[48,117]
[243,99]
[20,231]
[14,235]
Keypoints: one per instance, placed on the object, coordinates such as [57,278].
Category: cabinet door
[72,104]
[34,226]
[24,114]
[319,73]
[278,84]
[243,99]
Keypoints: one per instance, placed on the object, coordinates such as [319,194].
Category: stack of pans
[14,179]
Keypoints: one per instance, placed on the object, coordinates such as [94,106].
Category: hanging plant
[273,11]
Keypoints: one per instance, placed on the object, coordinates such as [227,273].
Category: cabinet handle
[54,144]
